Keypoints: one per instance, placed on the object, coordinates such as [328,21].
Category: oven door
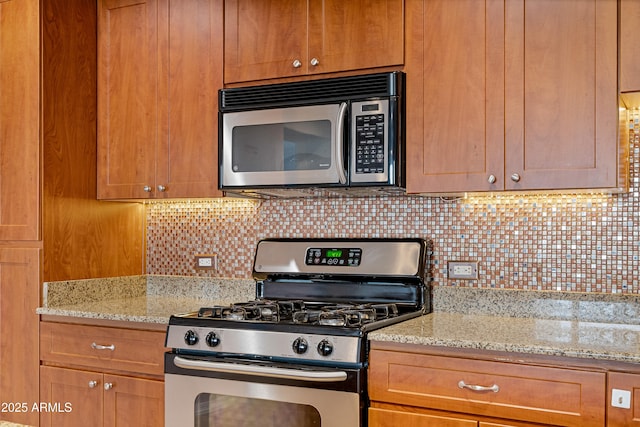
[208,392]
[283,146]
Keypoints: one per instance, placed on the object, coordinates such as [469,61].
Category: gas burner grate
[297,311]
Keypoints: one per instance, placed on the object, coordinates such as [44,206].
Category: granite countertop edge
[574,339]
[145,299]
[542,323]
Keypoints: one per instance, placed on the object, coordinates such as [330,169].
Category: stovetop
[315,302]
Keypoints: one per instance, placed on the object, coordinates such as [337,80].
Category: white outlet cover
[205,262]
[621,398]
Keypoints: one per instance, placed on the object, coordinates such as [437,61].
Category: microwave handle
[342,113]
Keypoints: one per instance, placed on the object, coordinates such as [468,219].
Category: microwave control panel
[370,143]
[369,151]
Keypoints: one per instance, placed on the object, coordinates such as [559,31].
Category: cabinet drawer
[546,395]
[105,348]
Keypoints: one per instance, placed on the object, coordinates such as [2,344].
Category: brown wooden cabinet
[51,225]
[419,388]
[518,95]
[622,416]
[159,70]
[269,39]
[90,398]
[19,297]
[629,46]
[19,137]
[109,375]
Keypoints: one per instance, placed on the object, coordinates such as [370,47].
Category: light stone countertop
[147,299]
[588,326]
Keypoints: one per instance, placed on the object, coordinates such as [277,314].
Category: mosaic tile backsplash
[567,242]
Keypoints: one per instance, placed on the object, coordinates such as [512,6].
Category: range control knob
[191,338]
[325,348]
[212,339]
[300,345]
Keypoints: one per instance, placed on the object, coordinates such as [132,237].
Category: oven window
[213,410]
[282,147]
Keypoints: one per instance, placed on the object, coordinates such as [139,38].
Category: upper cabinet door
[268,39]
[455,96]
[629,46]
[515,95]
[19,120]
[190,76]
[264,39]
[160,68]
[561,94]
[127,98]
[355,34]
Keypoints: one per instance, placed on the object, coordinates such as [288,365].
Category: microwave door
[283,147]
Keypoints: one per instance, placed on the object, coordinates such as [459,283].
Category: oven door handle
[262,371]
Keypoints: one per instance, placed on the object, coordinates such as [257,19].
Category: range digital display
[347,257]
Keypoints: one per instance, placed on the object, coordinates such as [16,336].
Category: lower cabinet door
[70,398]
[391,418]
[133,402]
[77,398]
[623,399]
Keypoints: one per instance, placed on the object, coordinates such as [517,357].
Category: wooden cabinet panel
[102,347]
[457,142]
[268,39]
[159,69]
[263,38]
[629,46]
[389,418]
[355,34]
[522,96]
[19,120]
[127,97]
[561,94]
[520,392]
[622,416]
[81,236]
[96,399]
[79,394]
[191,74]
[19,298]
[133,402]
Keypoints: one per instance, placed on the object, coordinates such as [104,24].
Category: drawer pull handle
[93,384]
[95,346]
[494,388]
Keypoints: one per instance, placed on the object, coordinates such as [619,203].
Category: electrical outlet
[465,270]
[207,261]
[621,398]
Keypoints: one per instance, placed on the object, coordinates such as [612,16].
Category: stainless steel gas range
[297,354]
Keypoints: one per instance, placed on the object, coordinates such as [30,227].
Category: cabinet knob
[93,384]
[314,61]
[492,179]
[297,64]
[162,188]
[108,386]
[147,189]
[515,177]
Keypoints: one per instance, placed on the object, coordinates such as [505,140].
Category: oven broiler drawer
[104,348]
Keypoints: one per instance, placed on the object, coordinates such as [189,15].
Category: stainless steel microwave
[338,135]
